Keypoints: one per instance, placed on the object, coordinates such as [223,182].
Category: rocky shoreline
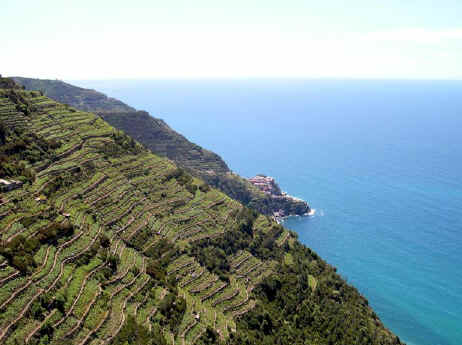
[288,204]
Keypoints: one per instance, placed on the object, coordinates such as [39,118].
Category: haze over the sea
[380,161]
[144,39]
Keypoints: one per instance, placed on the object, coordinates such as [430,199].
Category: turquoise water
[380,161]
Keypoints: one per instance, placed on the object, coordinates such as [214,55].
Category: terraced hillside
[83,99]
[156,135]
[107,243]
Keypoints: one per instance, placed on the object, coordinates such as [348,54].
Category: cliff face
[103,242]
[156,135]
[288,205]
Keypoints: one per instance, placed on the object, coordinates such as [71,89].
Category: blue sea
[380,161]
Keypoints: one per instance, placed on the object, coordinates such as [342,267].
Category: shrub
[192,188]
[155,270]
[20,253]
[113,261]
[204,188]
[133,333]
[172,309]
[105,241]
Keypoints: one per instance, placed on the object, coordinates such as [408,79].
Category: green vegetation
[20,253]
[157,136]
[133,333]
[107,243]
[83,99]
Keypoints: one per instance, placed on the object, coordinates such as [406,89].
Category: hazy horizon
[243,39]
[73,80]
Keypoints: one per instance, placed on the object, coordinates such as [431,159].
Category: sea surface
[380,161]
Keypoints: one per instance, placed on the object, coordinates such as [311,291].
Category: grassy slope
[156,135]
[122,248]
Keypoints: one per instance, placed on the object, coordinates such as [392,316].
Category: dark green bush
[20,253]
[133,333]
[204,187]
[172,308]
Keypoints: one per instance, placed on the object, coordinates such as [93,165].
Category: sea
[379,160]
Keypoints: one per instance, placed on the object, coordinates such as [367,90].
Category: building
[266,184]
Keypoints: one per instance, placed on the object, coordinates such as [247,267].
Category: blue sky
[232,39]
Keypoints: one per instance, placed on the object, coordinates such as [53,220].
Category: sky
[176,39]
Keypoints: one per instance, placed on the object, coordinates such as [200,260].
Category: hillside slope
[156,135]
[103,242]
[83,99]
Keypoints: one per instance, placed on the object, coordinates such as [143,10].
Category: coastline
[280,220]
[283,204]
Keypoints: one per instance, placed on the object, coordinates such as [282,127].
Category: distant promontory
[289,205]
